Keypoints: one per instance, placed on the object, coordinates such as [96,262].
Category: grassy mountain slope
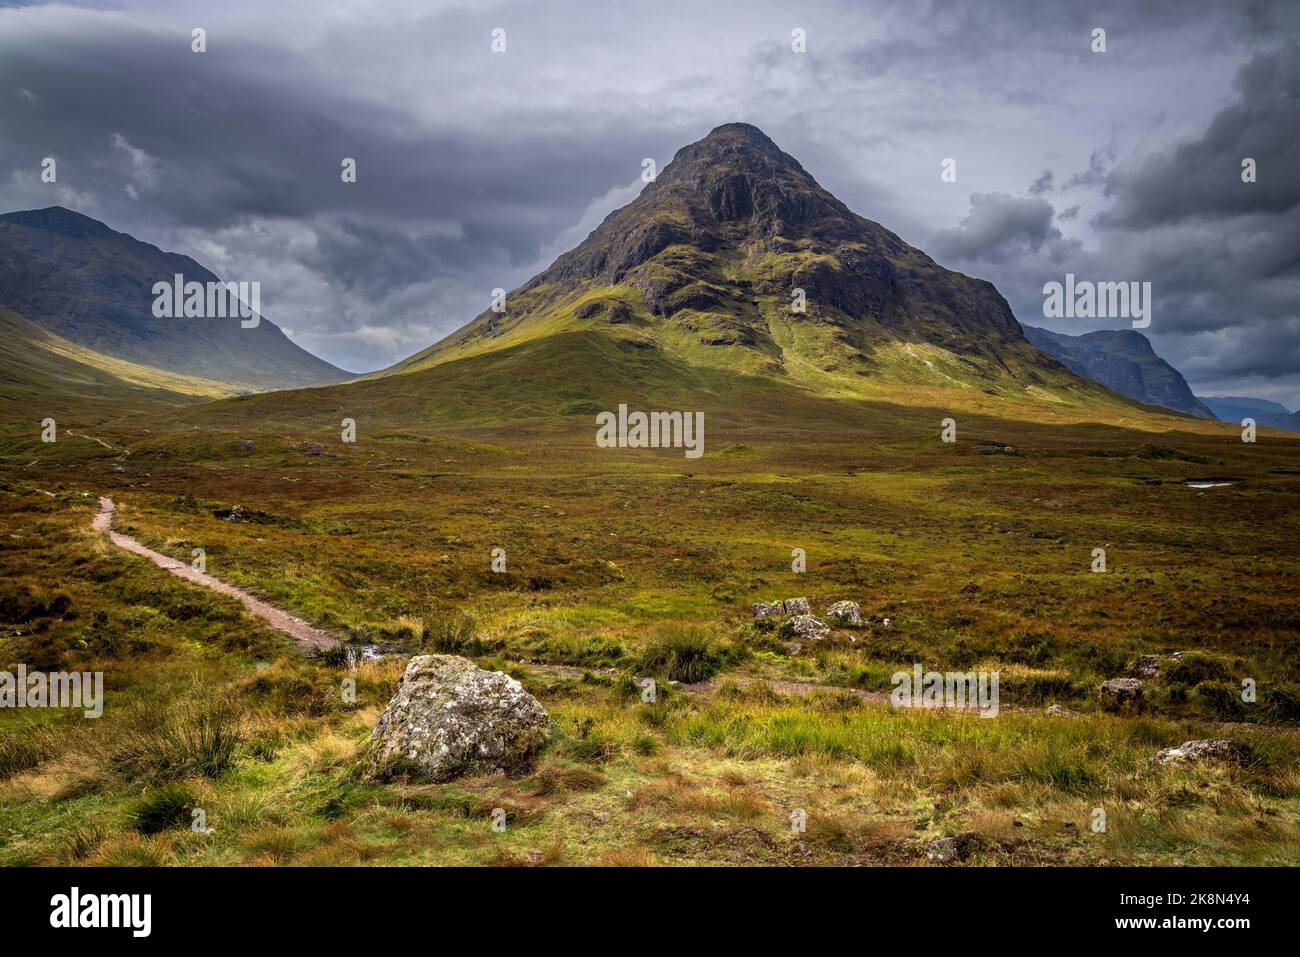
[556,384]
[48,373]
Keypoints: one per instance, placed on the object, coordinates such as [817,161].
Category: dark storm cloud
[238,151]
[1226,253]
[233,141]
[475,170]
[238,137]
[1223,256]
[1000,227]
[1201,178]
[986,43]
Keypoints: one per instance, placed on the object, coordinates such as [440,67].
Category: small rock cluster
[1126,694]
[846,614]
[807,627]
[1148,666]
[791,606]
[801,623]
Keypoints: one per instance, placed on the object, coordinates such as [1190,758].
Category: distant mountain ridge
[1123,360]
[1231,408]
[92,286]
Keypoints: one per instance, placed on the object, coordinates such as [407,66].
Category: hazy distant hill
[1232,408]
[80,279]
[1123,360]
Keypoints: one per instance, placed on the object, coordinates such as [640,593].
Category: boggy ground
[629,563]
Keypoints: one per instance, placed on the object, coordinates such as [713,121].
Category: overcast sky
[475,168]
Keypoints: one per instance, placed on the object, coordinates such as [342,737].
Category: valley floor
[621,564]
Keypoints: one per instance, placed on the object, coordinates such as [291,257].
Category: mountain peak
[58,219]
[736,149]
[1128,340]
[716,250]
[734,188]
[741,131]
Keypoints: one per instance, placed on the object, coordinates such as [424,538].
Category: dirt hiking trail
[307,637]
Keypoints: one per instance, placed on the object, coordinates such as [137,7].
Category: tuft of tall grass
[1195,667]
[166,806]
[24,748]
[193,739]
[687,655]
[1282,704]
[452,635]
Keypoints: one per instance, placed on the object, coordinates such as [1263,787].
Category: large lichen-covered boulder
[450,717]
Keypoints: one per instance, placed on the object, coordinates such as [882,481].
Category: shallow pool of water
[364,653]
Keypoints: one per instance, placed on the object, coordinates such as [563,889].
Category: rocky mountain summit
[734,256]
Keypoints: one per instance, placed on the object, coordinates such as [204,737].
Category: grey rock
[764,612]
[1147,666]
[846,613]
[943,850]
[807,627]
[946,850]
[450,717]
[1056,711]
[1206,749]
[1119,693]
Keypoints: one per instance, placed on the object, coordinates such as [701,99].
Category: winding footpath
[307,637]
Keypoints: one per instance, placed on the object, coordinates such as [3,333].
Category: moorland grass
[626,566]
